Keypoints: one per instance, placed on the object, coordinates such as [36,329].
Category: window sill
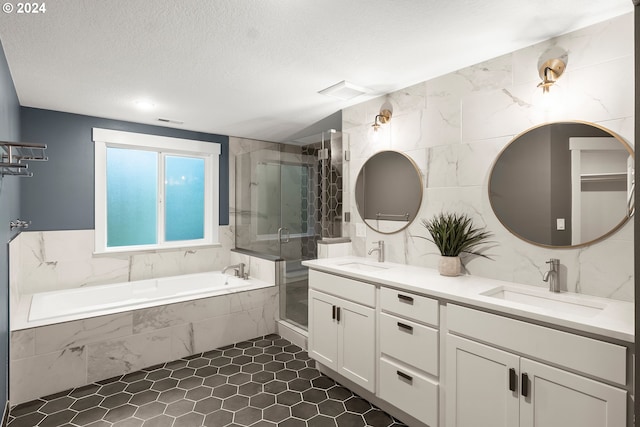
[135,251]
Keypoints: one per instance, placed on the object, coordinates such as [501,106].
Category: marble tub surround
[43,261]
[454,126]
[614,321]
[53,358]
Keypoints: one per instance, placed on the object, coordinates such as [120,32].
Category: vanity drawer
[409,392]
[411,306]
[353,290]
[409,342]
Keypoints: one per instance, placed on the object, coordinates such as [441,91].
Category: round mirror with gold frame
[563,184]
[388,192]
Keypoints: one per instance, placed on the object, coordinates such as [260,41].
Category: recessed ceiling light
[145,104]
[345,90]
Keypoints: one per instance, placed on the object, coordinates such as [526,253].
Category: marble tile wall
[455,125]
[57,357]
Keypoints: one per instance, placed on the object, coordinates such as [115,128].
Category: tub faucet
[551,276]
[238,270]
[379,249]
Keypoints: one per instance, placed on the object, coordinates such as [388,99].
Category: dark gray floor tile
[263,382]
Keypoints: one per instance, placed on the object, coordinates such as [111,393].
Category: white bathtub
[73,304]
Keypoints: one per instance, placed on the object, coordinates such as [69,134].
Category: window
[154,192]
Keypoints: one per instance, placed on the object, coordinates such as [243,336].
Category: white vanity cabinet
[409,350]
[342,328]
[488,386]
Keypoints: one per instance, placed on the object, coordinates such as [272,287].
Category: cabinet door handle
[512,379]
[405,376]
[333,312]
[405,298]
[525,385]
[405,327]
[338,314]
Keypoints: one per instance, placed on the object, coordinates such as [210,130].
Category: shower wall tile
[467,118]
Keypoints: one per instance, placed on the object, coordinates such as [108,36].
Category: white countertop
[614,320]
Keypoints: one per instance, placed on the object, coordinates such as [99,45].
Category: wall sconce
[550,71]
[382,118]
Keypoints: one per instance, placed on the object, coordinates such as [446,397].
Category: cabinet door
[556,398]
[481,385]
[323,335]
[356,344]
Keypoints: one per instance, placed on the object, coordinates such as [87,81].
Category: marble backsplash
[454,126]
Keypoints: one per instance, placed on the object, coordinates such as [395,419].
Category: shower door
[278,218]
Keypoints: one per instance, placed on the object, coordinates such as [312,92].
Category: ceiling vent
[173,122]
[344,90]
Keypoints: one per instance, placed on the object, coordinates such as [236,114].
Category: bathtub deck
[262,382]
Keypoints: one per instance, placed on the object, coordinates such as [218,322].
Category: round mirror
[388,192]
[563,184]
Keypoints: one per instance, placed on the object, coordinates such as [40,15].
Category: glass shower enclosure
[279,213]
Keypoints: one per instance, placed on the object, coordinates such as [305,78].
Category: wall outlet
[361,230]
[560,224]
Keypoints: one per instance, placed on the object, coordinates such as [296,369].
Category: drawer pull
[405,327]
[512,379]
[405,298]
[333,312]
[338,314]
[525,385]
[405,376]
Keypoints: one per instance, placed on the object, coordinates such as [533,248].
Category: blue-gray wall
[9,209]
[60,195]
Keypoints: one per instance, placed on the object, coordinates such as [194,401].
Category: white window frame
[163,145]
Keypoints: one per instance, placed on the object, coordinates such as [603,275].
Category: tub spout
[238,270]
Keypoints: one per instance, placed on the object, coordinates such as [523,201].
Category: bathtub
[80,303]
[74,337]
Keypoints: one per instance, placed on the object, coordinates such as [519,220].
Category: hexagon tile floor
[262,382]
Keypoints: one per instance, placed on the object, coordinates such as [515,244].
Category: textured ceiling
[252,68]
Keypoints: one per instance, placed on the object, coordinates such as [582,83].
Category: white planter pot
[449,265]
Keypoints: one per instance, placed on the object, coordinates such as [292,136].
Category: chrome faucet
[238,270]
[379,249]
[551,276]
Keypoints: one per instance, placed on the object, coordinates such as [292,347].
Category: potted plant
[454,234]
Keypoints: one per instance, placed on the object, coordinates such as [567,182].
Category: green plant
[454,234]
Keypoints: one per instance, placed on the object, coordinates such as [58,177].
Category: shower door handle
[280,239]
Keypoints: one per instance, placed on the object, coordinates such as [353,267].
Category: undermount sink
[562,302]
[362,266]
